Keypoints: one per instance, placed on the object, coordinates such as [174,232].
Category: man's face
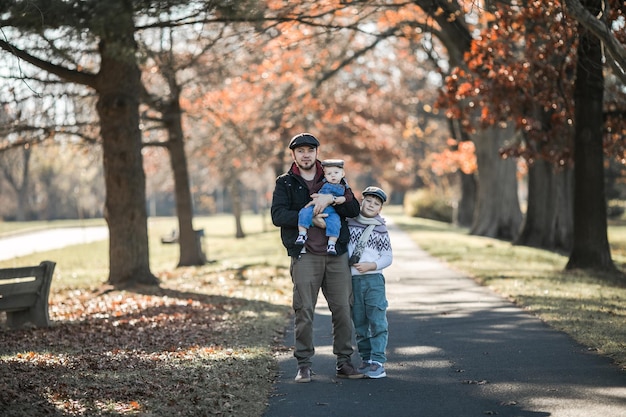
[305,157]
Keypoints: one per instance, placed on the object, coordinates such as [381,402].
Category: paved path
[455,350]
[44,240]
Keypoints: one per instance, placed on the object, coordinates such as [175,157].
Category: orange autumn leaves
[459,156]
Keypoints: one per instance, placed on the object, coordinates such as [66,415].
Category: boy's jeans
[369,314]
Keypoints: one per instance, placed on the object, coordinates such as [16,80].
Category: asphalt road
[456,349]
[43,240]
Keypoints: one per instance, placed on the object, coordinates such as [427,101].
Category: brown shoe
[346,370]
[304,374]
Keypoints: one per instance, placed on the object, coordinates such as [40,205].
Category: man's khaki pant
[331,274]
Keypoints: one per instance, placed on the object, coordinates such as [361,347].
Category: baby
[333,174]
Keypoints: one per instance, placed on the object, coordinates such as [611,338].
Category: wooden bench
[24,294]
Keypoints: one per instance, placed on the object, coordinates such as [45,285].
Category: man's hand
[320,202]
[318,221]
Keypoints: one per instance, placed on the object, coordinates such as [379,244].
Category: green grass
[87,265]
[591,308]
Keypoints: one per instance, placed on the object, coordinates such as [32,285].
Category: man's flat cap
[303,139]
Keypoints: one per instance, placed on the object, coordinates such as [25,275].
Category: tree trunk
[189,245]
[467,203]
[118,86]
[549,222]
[235,195]
[591,247]
[498,213]
[19,181]
[22,188]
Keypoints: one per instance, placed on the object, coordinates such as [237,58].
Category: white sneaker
[377,370]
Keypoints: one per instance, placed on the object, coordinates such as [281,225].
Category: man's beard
[305,166]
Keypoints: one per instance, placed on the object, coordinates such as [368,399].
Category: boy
[370,252]
[333,174]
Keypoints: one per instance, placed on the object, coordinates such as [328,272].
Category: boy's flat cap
[375,191]
[333,163]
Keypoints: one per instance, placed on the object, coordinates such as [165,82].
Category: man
[312,268]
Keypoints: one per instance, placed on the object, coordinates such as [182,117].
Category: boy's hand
[363,267]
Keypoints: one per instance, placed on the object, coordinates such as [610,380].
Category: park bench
[24,294]
[172,237]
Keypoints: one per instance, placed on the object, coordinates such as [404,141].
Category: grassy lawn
[204,341]
[591,308]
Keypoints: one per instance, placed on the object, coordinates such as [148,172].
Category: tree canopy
[228,82]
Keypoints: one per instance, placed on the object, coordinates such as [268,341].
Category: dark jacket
[291,194]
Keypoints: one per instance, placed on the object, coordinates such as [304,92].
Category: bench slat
[18,302]
[26,301]
[17,288]
[22,272]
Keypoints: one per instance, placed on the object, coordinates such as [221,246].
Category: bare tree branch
[78,77]
[20,143]
[612,46]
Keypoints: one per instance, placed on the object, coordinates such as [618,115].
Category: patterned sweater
[377,248]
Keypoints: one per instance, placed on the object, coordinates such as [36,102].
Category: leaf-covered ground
[200,345]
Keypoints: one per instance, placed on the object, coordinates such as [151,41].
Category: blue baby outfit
[333,222]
